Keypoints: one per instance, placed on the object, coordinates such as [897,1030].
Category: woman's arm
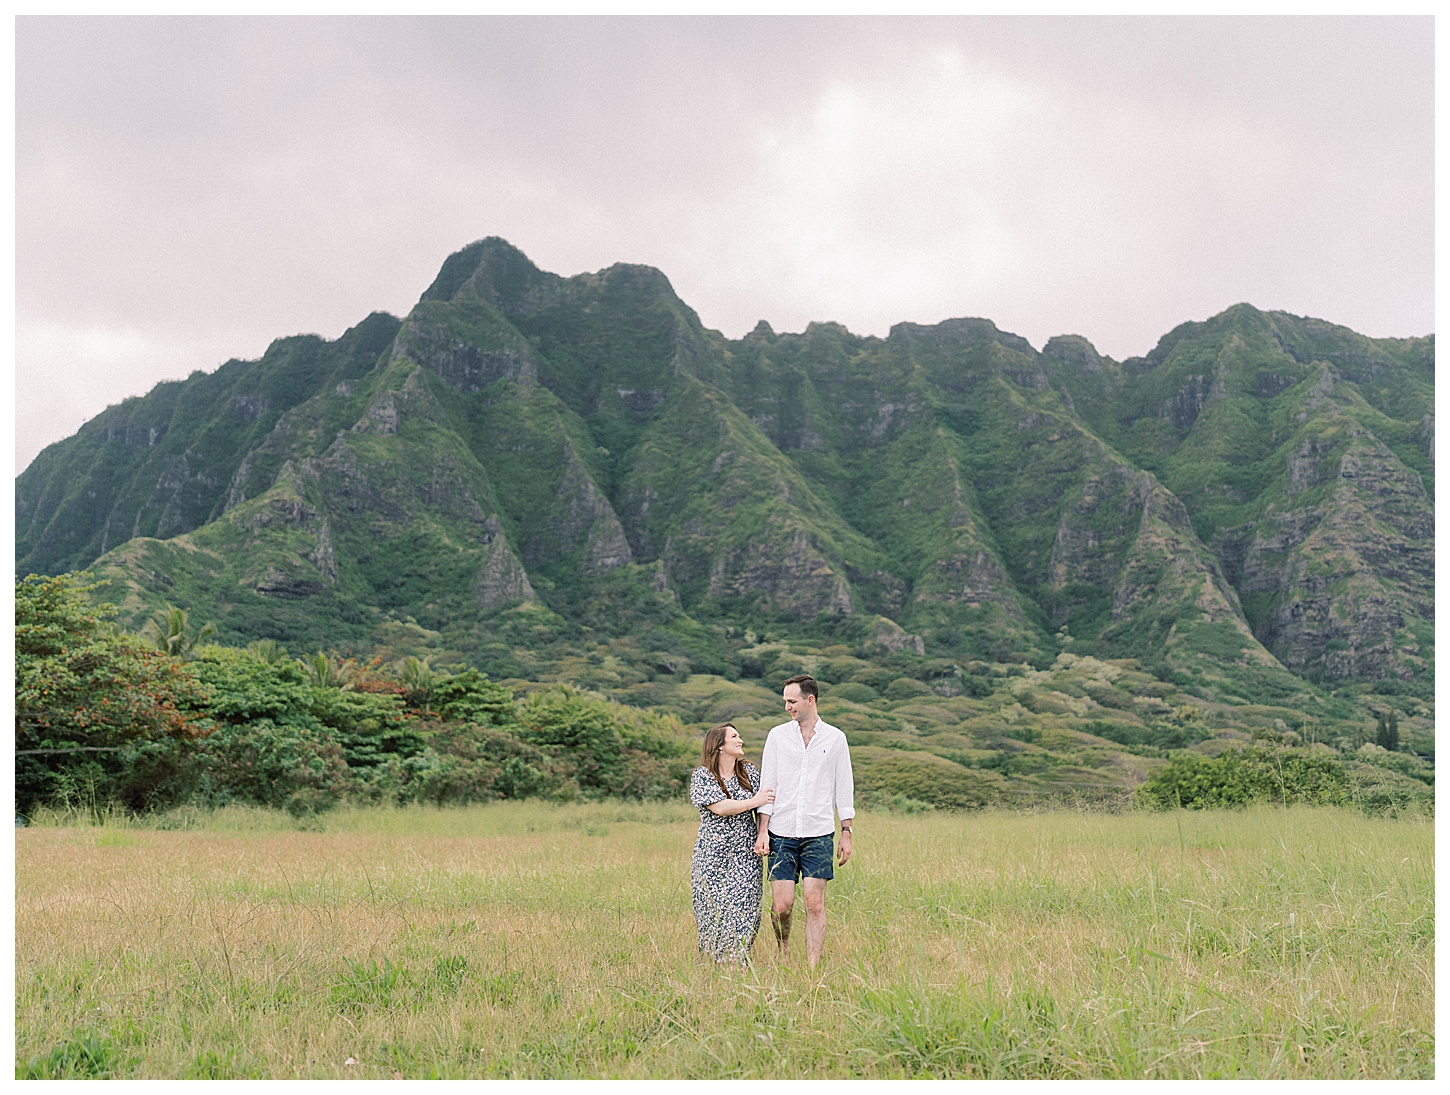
[731,806]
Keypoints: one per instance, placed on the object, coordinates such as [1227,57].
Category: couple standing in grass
[785,810]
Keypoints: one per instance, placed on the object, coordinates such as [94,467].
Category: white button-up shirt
[811,782]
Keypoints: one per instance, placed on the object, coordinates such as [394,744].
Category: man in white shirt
[808,764]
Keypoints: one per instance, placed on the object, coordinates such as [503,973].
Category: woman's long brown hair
[710,756]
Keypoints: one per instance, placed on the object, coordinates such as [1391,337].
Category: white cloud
[188,190]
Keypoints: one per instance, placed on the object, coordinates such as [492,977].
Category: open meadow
[522,939]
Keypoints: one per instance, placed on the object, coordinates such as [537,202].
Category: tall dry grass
[528,940]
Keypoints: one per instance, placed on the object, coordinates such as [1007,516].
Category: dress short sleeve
[704,789]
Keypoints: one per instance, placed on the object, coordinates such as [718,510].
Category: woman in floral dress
[725,871]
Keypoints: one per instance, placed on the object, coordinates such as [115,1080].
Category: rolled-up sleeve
[769,766]
[845,784]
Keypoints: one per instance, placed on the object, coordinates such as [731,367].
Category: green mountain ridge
[528,465]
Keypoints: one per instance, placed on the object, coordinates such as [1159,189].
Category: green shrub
[471,697]
[853,692]
[1402,763]
[784,667]
[1237,778]
[604,748]
[368,726]
[1379,790]
[1119,732]
[88,1055]
[467,762]
[293,765]
[1160,736]
[874,676]
[905,688]
[975,686]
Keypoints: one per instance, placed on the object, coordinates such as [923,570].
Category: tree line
[103,716]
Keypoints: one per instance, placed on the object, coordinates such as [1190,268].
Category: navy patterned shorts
[796,857]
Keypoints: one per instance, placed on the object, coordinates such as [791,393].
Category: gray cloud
[188,189]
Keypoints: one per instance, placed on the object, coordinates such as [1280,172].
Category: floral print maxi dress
[725,871]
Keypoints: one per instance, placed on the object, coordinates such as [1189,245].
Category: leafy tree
[172,634]
[471,697]
[418,673]
[367,727]
[603,748]
[581,732]
[296,765]
[267,651]
[1387,731]
[976,687]
[473,763]
[325,672]
[88,696]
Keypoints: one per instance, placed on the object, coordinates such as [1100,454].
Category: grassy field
[529,940]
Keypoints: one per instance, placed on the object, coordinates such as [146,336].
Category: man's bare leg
[782,902]
[813,890]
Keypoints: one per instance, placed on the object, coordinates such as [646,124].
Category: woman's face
[732,746]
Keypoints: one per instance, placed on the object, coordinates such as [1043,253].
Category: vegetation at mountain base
[571,481]
[1238,777]
[87,695]
[104,720]
[254,726]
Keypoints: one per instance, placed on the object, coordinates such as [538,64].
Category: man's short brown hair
[807,683]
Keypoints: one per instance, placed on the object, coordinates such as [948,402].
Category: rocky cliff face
[525,452]
[1342,563]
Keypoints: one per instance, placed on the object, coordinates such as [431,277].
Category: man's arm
[845,801]
[762,834]
[768,767]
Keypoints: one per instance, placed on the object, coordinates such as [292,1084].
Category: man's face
[796,704]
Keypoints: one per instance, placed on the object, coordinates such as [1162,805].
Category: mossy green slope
[1304,455]
[862,419]
[1010,525]
[392,516]
[164,463]
[737,525]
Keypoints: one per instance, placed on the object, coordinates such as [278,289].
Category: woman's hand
[764,797]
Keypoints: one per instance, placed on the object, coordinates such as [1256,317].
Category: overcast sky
[188,189]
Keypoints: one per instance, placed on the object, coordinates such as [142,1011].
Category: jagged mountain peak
[1074,350]
[527,456]
[492,267]
[963,329]
[630,277]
